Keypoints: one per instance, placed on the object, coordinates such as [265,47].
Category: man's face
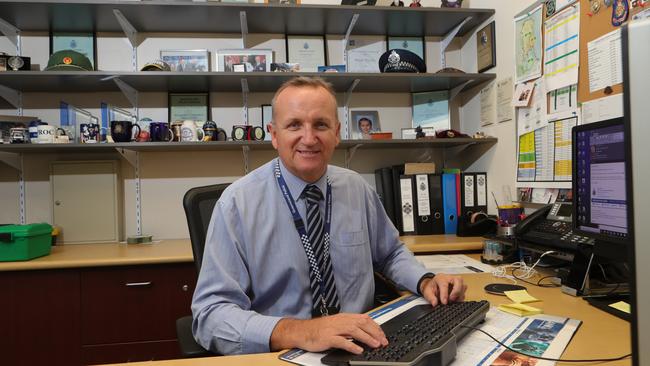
[305,130]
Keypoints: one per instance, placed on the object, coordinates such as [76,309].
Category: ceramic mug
[190,132]
[90,133]
[160,132]
[47,134]
[122,131]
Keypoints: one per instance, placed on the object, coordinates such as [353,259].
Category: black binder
[435,201]
[424,214]
[407,204]
[467,196]
[384,183]
[397,171]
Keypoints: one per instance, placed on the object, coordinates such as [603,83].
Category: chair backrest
[199,203]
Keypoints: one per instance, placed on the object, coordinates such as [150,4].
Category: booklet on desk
[539,335]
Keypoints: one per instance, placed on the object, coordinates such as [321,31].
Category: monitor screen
[600,206]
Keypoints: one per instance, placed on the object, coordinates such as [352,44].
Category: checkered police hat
[398,60]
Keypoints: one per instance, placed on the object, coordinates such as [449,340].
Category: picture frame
[308,51]
[431,109]
[187,60]
[267,118]
[486,51]
[363,53]
[82,42]
[188,106]
[255,60]
[362,123]
[413,44]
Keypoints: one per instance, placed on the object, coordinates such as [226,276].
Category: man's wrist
[424,277]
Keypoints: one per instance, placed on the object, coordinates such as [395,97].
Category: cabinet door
[134,304]
[39,318]
[85,201]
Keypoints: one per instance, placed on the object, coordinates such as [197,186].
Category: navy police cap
[398,60]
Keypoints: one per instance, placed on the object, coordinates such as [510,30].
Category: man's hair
[305,82]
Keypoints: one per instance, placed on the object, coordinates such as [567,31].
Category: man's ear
[273,133]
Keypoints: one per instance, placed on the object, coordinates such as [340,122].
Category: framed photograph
[267,117]
[186,60]
[486,49]
[239,68]
[192,106]
[307,51]
[431,109]
[253,59]
[362,123]
[413,44]
[82,42]
[363,53]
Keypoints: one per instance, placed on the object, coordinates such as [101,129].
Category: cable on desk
[547,358]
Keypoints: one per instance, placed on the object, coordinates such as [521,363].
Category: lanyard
[300,226]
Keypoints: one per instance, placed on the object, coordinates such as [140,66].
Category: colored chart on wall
[526,168]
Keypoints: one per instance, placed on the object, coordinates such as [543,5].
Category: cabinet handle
[137,284]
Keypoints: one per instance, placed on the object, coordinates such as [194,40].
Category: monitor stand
[603,303]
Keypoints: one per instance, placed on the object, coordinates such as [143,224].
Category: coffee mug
[210,131]
[90,133]
[18,135]
[160,132]
[47,134]
[122,131]
[189,131]
[33,131]
[176,130]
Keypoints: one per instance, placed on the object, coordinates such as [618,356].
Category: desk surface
[175,251]
[601,335]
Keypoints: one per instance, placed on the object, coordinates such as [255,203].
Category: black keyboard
[422,335]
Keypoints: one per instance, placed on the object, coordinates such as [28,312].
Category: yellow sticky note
[622,306]
[520,296]
[519,309]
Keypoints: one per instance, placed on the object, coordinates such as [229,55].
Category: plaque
[486,51]
[188,106]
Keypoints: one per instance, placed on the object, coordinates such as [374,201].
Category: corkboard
[591,27]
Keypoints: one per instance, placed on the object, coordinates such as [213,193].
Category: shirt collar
[297,185]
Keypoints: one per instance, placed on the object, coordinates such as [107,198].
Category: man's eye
[293,125]
[322,126]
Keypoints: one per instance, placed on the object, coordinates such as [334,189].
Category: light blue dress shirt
[255,270]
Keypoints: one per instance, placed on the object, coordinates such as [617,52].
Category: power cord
[528,271]
[547,358]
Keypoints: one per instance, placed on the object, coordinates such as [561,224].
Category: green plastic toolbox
[24,242]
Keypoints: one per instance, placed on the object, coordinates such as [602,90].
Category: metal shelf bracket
[12,96]
[447,40]
[346,39]
[244,93]
[133,157]
[12,33]
[346,106]
[454,92]
[349,154]
[132,34]
[130,93]
[243,21]
[245,151]
[12,159]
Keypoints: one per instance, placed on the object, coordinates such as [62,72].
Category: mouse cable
[547,358]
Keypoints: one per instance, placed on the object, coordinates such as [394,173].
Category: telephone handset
[551,226]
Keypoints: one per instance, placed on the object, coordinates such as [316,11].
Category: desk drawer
[130,352]
[134,304]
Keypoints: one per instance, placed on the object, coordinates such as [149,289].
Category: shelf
[210,17]
[235,145]
[160,81]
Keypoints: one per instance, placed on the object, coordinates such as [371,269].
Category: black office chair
[198,204]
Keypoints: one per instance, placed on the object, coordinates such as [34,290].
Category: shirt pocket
[352,238]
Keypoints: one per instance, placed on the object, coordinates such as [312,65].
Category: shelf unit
[140,19]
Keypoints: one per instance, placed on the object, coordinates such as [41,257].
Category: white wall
[165,176]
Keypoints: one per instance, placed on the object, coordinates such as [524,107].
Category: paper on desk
[452,264]
[520,296]
[622,306]
[520,309]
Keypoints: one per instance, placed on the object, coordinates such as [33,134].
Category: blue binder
[449,203]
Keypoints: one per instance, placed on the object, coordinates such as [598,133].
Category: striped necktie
[320,253]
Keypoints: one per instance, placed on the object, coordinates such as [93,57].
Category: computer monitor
[636,79]
[600,206]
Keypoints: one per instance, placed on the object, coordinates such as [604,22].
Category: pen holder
[510,215]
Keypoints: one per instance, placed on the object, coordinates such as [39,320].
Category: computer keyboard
[422,335]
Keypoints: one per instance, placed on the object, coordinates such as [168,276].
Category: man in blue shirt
[273,263]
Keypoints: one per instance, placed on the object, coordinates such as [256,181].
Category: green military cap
[68,60]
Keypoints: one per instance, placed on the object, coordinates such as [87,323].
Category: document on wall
[487,105]
[504,96]
[538,335]
[544,153]
[562,45]
[605,61]
[531,118]
[602,108]
[563,99]
[526,158]
[563,167]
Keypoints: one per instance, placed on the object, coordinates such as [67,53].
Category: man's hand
[335,331]
[443,288]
